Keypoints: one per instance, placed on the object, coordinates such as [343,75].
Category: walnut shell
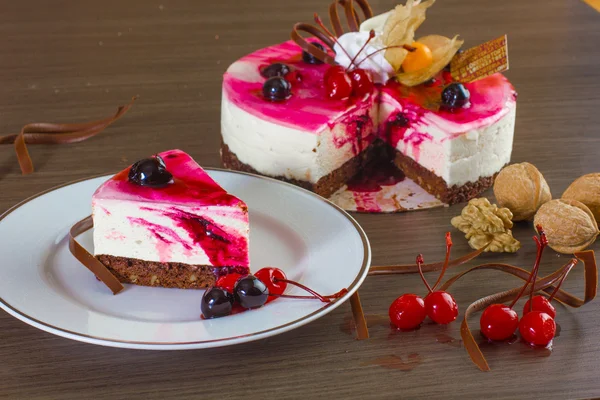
[522,189]
[570,226]
[586,189]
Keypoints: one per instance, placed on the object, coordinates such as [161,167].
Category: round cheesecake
[311,137]
[307,139]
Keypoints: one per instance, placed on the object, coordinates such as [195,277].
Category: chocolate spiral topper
[323,34]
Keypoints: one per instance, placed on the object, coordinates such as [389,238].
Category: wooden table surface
[70,61]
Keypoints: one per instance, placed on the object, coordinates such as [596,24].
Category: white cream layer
[457,153]
[282,151]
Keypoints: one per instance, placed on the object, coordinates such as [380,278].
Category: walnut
[586,189]
[522,189]
[485,223]
[569,225]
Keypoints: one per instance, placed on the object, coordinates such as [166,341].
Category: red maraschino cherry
[537,327]
[440,306]
[407,312]
[338,84]
[341,83]
[540,303]
[498,321]
[274,279]
[362,83]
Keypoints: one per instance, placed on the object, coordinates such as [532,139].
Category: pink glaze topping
[191,185]
[307,109]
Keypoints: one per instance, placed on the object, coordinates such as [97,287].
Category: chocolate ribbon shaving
[48,133]
[545,284]
[87,259]
[309,47]
[353,24]
[413,268]
[351,16]
[362,329]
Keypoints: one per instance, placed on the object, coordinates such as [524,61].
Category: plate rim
[58,331]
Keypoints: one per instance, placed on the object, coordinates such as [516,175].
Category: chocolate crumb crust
[169,275]
[331,183]
[437,187]
[325,187]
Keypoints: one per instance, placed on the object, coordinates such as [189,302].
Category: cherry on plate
[251,292]
[216,302]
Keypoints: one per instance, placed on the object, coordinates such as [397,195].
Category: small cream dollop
[370,59]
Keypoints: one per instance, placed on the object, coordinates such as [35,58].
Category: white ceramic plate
[42,284]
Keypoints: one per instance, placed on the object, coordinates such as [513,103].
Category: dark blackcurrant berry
[277,89]
[216,303]
[400,120]
[277,69]
[455,95]
[309,58]
[150,172]
[251,292]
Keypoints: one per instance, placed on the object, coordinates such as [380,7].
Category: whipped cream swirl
[370,58]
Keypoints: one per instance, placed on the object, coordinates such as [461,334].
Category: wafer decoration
[52,133]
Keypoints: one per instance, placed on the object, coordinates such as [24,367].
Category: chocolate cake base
[169,275]
[436,186]
[326,186]
[331,183]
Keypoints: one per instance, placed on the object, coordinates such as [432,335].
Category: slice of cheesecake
[306,137]
[165,222]
[453,154]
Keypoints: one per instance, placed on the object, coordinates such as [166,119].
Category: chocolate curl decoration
[309,47]
[362,329]
[48,133]
[88,260]
[414,268]
[325,37]
[547,284]
[351,16]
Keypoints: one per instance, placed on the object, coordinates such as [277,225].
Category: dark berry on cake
[277,89]
[150,172]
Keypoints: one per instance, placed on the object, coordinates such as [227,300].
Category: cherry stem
[402,46]
[371,36]
[446,261]
[420,262]
[574,262]
[292,296]
[319,22]
[533,275]
[324,299]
